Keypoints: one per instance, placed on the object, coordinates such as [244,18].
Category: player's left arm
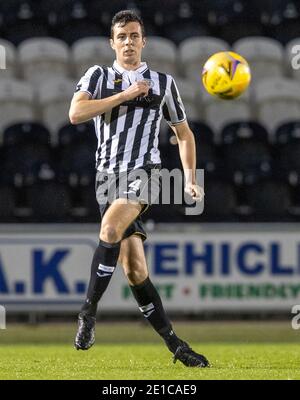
[187,151]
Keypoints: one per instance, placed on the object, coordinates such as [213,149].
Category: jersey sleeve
[173,108]
[90,81]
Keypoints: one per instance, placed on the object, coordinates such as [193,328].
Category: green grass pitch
[132,351]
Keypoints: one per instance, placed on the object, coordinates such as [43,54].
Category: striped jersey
[128,134]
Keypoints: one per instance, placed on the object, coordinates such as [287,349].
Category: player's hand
[137,89]
[196,191]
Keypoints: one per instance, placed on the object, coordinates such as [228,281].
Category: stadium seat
[188,29]
[77,165]
[270,200]
[161,55]
[295,207]
[70,20]
[8,60]
[277,101]
[43,58]
[60,8]
[285,31]
[187,92]
[218,113]
[159,11]
[16,102]
[25,30]
[84,133]
[278,18]
[287,139]
[169,151]
[264,55]
[26,133]
[78,29]
[271,12]
[57,13]
[232,19]
[226,15]
[154,13]
[32,142]
[154,30]
[207,157]
[23,170]
[7,204]
[69,11]
[224,12]
[202,132]
[288,132]
[49,201]
[244,130]
[194,52]
[91,51]
[103,11]
[87,209]
[233,32]
[16,11]
[54,98]
[246,159]
[7,8]
[207,151]
[220,202]
[289,160]
[77,145]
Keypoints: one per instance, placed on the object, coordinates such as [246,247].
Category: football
[226,75]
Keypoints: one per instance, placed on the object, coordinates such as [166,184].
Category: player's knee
[136,277]
[135,274]
[110,234]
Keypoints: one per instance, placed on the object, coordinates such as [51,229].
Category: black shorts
[140,185]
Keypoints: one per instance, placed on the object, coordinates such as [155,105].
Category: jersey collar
[141,69]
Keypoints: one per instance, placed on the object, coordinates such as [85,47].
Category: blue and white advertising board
[194,272]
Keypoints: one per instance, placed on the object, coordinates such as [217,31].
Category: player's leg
[132,258]
[132,249]
[133,261]
[116,219]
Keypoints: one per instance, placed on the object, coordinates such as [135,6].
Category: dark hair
[123,18]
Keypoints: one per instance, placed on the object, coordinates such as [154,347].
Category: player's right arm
[83,107]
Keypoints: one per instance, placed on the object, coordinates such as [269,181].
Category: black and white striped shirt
[128,134]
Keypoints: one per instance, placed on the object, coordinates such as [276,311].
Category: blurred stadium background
[240,258]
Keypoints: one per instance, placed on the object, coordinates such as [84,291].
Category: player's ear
[112,44]
[144,41]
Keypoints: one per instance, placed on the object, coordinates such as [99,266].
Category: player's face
[128,43]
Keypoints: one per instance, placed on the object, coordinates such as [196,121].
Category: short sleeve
[173,108]
[90,81]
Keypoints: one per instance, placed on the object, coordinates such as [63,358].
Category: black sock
[151,306]
[103,266]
